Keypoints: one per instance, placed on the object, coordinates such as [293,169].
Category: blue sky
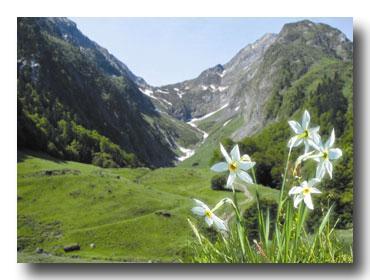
[169,50]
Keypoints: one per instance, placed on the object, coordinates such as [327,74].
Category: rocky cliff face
[244,85]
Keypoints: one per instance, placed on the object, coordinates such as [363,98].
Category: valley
[111,163]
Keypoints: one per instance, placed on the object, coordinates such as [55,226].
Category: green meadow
[115,215]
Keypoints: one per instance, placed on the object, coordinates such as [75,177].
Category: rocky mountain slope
[254,78]
[76,101]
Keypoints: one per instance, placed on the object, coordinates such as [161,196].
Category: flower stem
[254,176]
[284,180]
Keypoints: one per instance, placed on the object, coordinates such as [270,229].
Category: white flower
[304,134]
[211,219]
[326,154]
[236,165]
[303,192]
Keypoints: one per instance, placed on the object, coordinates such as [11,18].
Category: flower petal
[306,146]
[245,176]
[331,140]
[220,167]
[312,142]
[208,220]
[315,190]
[308,201]
[200,203]
[314,130]
[317,139]
[198,210]
[313,182]
[294,141]
[295,190]
[219,224]
[298,142]
[329,168]
[235,153]
[225,154]
[230,179]
[320,170]
[306,119]
[335,153]
[297,128]
[297,200]
[246,165]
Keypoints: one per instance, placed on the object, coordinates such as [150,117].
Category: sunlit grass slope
[128,214]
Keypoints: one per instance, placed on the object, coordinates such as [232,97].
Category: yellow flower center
[306,190]
[208,213]
[325,155]
[304,134]
[233,166]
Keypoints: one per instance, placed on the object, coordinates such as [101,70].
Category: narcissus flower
[304,134]
[201,209]
[303,192]
[236,165]
[326,154]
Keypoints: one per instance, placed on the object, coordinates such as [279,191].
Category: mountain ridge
[249,90]
[248,79]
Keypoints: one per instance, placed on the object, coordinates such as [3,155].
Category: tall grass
[283,239]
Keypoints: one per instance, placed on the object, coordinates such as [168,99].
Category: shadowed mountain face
[76,101]
[255,75]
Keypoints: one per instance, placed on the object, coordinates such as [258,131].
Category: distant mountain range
[77,101]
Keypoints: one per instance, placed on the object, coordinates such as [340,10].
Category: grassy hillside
[129,214]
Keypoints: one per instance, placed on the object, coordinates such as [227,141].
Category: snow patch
[204,87]
[148,92]
[187,153]
[205,134]
[180,93]
[176,89]
[192,121]
[222,74]
[222,88]
[162,91]
[237,108]
[208,115]
[227,122]
[165,101]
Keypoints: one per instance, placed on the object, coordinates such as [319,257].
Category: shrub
[218,182]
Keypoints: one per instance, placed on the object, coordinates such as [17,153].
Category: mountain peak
[319,36]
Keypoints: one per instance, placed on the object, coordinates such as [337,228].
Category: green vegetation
[328,96]
[274,231]
[76,102]
[129,214]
